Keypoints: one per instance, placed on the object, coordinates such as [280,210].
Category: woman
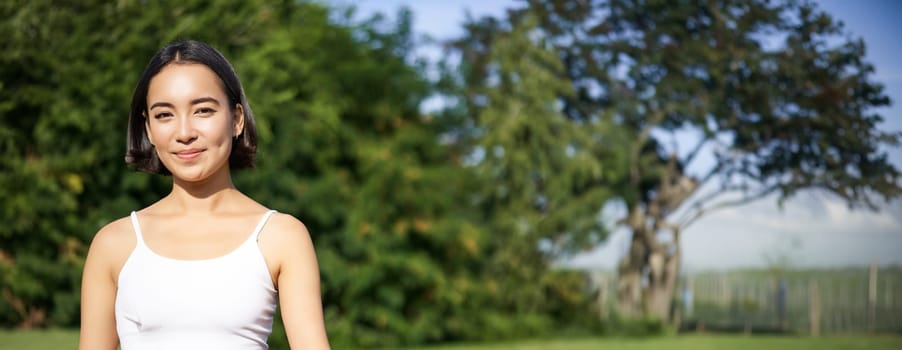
[204,267]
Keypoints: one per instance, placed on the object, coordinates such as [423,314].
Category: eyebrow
[193,102]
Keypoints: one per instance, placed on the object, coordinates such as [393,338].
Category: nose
[186,132]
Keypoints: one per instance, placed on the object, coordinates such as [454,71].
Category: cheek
[216,130]
[155,133]
[225,131]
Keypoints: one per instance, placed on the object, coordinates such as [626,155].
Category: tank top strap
[256,233]
[137,228]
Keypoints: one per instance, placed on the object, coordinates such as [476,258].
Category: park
[448,195]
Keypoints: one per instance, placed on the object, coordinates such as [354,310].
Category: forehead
[184,82]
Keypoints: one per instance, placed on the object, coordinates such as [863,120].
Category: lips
[188,154]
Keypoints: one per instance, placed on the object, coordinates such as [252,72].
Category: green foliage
[538,171]
[540,165]
[636,327]
[779,91]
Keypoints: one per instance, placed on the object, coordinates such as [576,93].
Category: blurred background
[497,171]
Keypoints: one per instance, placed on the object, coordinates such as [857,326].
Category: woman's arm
[298,283]
[98,294]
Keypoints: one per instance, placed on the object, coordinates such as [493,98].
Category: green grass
[698,342]
[67,339]
[38,340]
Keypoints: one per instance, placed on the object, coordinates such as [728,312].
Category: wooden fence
[798,301]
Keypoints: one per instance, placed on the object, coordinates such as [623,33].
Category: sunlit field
[67,339]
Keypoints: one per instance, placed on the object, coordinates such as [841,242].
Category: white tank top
[223,303]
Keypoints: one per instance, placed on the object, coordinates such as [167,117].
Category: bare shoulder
[109,250]
[285,239]
[115,239]
[285,229]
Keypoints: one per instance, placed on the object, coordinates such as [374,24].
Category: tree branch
[691,156]
[655,119]
[725,204]
[715,170]
[698,203]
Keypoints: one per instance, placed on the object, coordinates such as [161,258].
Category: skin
[191,127]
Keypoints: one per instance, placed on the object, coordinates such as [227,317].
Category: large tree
[777,94]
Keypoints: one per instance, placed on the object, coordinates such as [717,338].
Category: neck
[211,195]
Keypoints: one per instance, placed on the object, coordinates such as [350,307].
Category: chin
[187,174]
[193,179]
[190,178]
[197,175]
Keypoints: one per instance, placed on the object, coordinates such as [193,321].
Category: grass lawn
[698,342]
[38,340]
[67,339]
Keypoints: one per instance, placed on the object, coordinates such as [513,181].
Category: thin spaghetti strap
[260,225]
[137,228]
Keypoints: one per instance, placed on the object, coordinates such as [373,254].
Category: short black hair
[140,153]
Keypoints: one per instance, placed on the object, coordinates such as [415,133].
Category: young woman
[205,266]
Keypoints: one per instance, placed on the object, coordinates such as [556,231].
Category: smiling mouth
[189,154]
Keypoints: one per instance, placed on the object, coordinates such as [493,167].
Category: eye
[162,115]
[205,111]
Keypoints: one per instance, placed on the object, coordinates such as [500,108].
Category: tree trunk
[664,268]
[647,275]
[629,279]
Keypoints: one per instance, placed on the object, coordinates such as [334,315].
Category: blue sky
[813,229]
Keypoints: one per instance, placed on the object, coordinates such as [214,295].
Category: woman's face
[190,122]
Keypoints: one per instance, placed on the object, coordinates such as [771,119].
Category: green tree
[538,192]
[778,93]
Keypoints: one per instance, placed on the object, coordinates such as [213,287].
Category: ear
[147,128]
[238,121]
